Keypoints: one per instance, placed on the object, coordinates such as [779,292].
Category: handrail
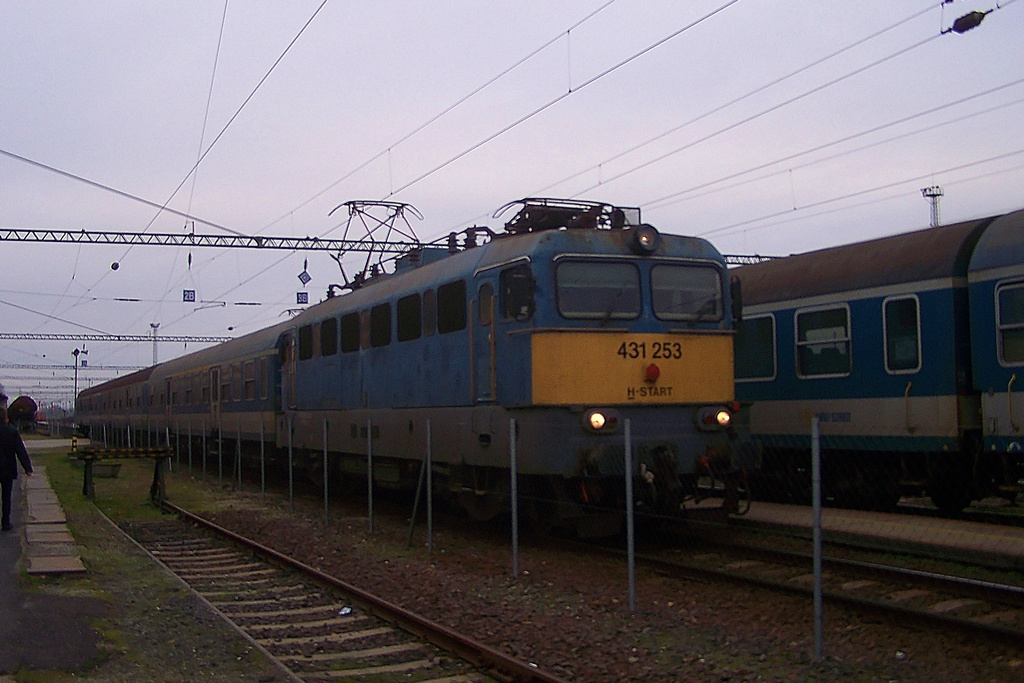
[1009,402]
[906,407]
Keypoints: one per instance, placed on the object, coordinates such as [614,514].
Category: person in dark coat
[12,451]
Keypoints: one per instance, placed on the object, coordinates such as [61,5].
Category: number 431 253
[658,350]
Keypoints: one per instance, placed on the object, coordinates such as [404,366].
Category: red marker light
[652,372]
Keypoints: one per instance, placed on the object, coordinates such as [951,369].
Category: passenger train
[909,349]
[573,320]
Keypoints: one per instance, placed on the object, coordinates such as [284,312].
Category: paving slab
[50,547]
[48,533]
[45,514]
[62,564]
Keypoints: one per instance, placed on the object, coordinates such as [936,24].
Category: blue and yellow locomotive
[574,319]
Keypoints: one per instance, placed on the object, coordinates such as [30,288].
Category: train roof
[1002,244]
[929,254]
[503,249]
[247,345]
[132,378]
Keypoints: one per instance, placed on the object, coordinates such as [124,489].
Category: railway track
[313,626]
[981,607]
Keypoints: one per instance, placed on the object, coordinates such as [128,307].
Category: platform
[49,546]
[957,539]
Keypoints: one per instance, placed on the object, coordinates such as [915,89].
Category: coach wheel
[866,483]
[949,485]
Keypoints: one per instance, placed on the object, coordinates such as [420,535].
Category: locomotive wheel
[487,497]
[483,506]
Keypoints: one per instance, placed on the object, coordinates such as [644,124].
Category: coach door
[484,379]
[168,408]
[214,397]
[287,350]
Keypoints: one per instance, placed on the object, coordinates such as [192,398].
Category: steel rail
[993,592]
[437,634]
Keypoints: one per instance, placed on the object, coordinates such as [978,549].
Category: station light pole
[74,398]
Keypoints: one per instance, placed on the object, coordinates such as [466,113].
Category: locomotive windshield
[598,290]
[686,292]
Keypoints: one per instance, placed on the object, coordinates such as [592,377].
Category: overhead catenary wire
[672,197]
[760,114]
[544,107]
[728,229]
[725,105]
[447,110]
[803,213]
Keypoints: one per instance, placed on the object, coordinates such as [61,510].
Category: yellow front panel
[590,368]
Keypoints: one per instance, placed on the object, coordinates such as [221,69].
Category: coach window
[225,384]
[349,332]
[236,382]
[409,323]
[380,325]
[249,376]
[264,377]
[451,307]
[517,286]
[1010,316]
[686,292]
[754,345]
[316,340]
[329,337]
[305,342]
[596,290]
[823,342]
[902,335]
[429,312]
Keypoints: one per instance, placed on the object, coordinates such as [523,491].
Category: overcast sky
[768,127]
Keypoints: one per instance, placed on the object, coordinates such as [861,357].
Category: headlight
[646,239]
[601,421]
[714,418]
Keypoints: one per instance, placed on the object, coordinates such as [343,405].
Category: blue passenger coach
[997,335]
[575,318]
[911,378]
